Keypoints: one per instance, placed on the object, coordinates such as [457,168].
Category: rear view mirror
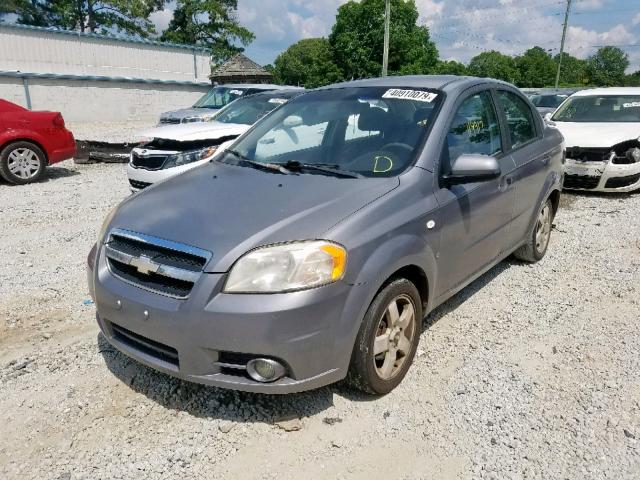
[471,168]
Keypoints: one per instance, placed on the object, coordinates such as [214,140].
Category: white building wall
[45,51]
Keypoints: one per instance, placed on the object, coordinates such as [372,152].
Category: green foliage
[606,67]
[494,64]
[211,23]
[573,72]
[536,68]
[357,39]
[632,80]
[309,63]
[95,16]
[450,67]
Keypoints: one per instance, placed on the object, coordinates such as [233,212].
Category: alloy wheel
[543,228]
[394,337]
[23,163]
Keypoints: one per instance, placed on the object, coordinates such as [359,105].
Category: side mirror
[548,116]
[469,168]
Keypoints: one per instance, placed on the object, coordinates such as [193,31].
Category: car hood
[189,112]
[597,134]
[195,131]
[228,210]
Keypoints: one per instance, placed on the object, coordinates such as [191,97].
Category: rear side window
[475,128]
[520,122]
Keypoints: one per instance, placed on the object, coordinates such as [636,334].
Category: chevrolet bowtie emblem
[144,264]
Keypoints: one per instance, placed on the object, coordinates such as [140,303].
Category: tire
[538,240]
[380,373]
[22,162]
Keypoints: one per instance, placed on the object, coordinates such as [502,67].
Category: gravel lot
[530,372]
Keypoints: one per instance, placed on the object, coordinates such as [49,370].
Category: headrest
[372,119]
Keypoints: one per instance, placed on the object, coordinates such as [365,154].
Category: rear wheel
[538,241]
[22,162]
[388,338]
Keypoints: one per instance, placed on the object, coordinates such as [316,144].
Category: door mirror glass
[469,168]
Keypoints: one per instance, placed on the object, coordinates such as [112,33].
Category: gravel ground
[530,372]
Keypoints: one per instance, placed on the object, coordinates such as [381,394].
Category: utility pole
[385,52]
[564,33]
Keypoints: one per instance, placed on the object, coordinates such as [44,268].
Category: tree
[308,62]
[606,67]
[573,72]
[450,67]
[211,23]
[494,65]
[95,16]
[632,80]
[357,39]
[536,68]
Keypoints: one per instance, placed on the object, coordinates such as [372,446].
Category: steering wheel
[396,147]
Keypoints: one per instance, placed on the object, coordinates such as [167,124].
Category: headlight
[189,157]
[287,267]
[634,154]
[105,225]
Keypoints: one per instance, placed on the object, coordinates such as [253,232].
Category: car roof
[608,91]
[287,93]
[260,86]
[436,82]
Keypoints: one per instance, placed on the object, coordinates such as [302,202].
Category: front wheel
[387,340]
[538,240]
[22,162]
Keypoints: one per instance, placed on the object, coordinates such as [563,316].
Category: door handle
[506,182]
[546,159]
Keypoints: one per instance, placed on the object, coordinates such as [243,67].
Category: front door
[475,217]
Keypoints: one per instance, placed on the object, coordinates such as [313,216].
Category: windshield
[248,110]
[363,131]
[219,97]
[548,101]
[600,109]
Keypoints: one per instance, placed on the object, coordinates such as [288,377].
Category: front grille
[170,120]
[154,264]
[589,154]
[581,181]
[148,162]
[146,345]
[139,185]
[619,182]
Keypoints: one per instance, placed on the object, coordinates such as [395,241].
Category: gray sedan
[311,249]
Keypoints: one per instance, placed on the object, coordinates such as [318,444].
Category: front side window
[360,131]
[475,128]
[600,109]
[219,97]
[522,128]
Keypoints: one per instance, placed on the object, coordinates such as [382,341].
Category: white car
[173,149]
[601,128]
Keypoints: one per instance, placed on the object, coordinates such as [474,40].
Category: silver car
[311,249]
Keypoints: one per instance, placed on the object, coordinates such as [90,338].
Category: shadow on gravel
[211,402]
[216,403]
[50,173]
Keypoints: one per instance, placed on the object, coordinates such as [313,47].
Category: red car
[29,141]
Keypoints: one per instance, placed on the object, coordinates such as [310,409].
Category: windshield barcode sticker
[418,95]
[631,105]
[279,101]
[235,92]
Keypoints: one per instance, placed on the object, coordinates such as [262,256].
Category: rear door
[475,217]
[532,163]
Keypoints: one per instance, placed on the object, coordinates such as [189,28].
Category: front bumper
[140,178]
[601,176]
[310,332]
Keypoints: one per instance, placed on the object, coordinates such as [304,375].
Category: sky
[460,28]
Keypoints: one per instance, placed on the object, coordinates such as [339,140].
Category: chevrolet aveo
[311,249]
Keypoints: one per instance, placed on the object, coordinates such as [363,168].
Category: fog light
[265,370]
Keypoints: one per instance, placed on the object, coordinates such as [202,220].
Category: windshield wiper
[331,169]
[270,167]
